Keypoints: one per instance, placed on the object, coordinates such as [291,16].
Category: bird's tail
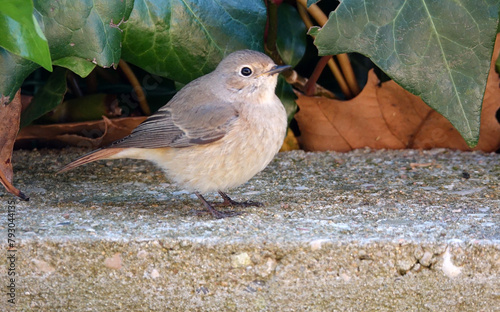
[90,157]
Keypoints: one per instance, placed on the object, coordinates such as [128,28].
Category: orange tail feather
[90,157]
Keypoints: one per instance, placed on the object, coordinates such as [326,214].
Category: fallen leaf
[89,134]
[290,143]
[11,114]
[387,116]
[327,124]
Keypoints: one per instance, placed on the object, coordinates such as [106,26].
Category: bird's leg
[229,202]
[217,214]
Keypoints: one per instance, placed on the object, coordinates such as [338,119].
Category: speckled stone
[360,231]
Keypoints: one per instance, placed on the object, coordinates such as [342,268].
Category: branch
[343,59]
[143,103]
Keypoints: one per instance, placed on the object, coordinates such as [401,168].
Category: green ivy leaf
[439,50]
[183,40]
[285,92]
[81,34]
[291,41]
[79,66]
[47,98]
[21,33]
[14,69]
[311,2]
[86,29]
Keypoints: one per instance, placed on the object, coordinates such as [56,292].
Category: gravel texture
[361,231]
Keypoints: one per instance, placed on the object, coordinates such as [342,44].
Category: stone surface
[361,231]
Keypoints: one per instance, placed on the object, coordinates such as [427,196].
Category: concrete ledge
[361,231]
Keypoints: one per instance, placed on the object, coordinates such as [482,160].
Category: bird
[215,134]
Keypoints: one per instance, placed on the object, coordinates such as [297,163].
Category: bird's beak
[277,69]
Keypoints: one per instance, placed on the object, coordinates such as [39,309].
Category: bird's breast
[244,151]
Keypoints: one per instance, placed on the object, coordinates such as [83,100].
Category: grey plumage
[216,133]
[169,126]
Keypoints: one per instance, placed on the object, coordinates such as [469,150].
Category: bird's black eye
[246,71]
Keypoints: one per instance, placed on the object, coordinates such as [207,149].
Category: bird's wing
[177,126]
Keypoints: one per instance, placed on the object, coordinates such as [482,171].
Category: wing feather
[182,126]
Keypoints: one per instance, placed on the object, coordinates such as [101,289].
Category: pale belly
[221,165]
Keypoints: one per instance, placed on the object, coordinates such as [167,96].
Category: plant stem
[305,16]
[141,97]
[331,63]
[300,83]
[344,62]
[311,84]
[315,11]
[291,76]
[272,32]
[70,77]
[340,79]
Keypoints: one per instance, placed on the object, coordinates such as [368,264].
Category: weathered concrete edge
[206,275]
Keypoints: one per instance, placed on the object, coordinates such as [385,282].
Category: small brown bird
[216,133]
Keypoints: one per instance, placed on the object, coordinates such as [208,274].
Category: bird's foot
[229,202]
[215,213]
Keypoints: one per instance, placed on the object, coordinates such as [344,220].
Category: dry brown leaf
[11,114]
[387,116]
[90,134]
[290,143]
[344,125]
